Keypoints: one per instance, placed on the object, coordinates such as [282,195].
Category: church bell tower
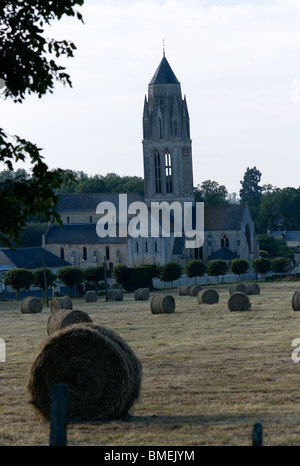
[167,146]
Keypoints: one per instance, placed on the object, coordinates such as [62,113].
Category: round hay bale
[64,318]
[239,301]
[210,296]
[64,302]
[115,295]
[296,301]
[237,287]
[31,305]
[91,296]
[142,294]
[162,304]
[102,373]
[252,288]
[184,290]
[194,290]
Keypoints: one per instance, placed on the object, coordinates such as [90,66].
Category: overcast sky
[238,63]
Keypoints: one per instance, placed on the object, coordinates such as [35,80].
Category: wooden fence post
[257,435]
[58,415]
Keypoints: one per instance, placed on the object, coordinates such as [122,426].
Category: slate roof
[87,202]
[227,217]
[31,258]
[289,236]
[164,74]
[79,233]
[224,254]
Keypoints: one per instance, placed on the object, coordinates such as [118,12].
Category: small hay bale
[102,373]
[210,296]
[64,302]
[296,301]
[115,295]
[31,305]
[142,294]
[91,296]
[237,287]
[64,318]
[194,290]
[239,301]
[162,304]
[184,290]
[252,288]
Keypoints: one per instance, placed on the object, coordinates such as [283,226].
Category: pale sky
[238,63]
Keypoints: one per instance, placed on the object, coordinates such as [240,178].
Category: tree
[251,191]
[239,266]
[217,267]
[18,279]
[120,273]
[91,185]
[39,278]
[133,184]
[94,275]
[211,193]
[70,276]
[261,265]
[195,268]
[71,179]
[279,265]
[170,271]
[27,67]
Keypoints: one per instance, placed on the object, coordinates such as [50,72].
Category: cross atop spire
[164,47]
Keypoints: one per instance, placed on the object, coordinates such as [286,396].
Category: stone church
[168,177]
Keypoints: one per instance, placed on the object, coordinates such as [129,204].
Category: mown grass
[208,374]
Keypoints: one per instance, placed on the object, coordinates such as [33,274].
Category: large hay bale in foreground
[102,373]
[162,304]
[31,305]
[65,318]
[296,301]
[210,296]
[252,288]
[184,290]
[194,290]
[91,296]
[141,294]
[239,301]
[115,295]
[237,287]
[64,302]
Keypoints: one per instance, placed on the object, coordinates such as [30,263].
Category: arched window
[224,242]
[248,236]
[136,247]
[155,246]
[107,253]
[84,255]
[62,253]
[168,165]
[91,219]
[68,219]
[146,246]
[157,172]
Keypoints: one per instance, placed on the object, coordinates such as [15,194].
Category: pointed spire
[164,74]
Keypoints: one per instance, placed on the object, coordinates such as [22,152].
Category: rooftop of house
[32,258]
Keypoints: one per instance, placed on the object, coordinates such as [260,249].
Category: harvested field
[208,374]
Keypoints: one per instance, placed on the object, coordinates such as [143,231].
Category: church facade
[168,178]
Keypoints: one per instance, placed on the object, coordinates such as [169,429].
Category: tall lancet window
[168,165]
[157,172]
